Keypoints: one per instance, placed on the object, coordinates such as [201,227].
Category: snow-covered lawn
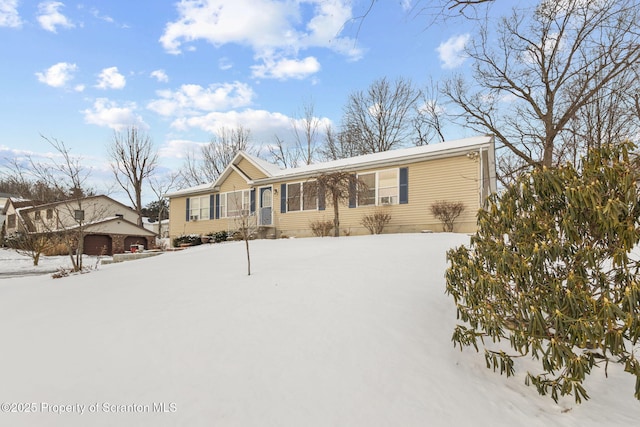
[13,264]
[354,331]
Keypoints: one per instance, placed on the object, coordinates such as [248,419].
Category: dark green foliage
[191,239]
[219,236]
[549,271]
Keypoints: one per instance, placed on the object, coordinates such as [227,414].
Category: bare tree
[283,155]
[380,118]
[214,157]
[341,187]
[133,161]
[611,117]
[428,121]
[338,145]
[161,186]
[246,223]
[69,176]
[305,130]
[549,64]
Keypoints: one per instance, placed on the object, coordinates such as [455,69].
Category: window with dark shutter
[283,198]
[404,186]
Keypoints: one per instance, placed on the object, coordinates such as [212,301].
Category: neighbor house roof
[387,158]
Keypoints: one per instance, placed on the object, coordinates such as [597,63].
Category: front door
[266,201]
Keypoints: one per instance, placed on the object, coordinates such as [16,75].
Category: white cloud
[273,29]
[225,64]
[178,148]
[50,17]
[9,16]
[287,68]
[191,99]
[57,75]
[109,114]
[110,78]
[451,52]
[261,122]
[160,75]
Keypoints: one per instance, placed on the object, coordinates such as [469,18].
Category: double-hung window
[235,203]
[302,196]
[379,188]
[199,208]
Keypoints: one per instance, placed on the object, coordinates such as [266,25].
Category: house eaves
[263,166]
[384,159]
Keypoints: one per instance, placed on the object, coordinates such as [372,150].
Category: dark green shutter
[217,206]
[352,191]
[188,209]
[212,213]
[283,198]
[404,186]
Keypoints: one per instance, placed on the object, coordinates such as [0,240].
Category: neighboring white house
[161,228]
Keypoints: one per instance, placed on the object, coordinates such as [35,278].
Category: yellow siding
[234,182]
[178,224]
[453,179]
[250,170]
[178,206]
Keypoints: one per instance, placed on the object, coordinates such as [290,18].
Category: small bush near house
[376,221]
[192,239]
[447,212]
[219,236]
[550,271]
[321,228]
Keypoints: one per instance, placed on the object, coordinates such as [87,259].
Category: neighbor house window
[379,188]
[49,213]
[36,215]
[199,208]
[11,221]
[235,203]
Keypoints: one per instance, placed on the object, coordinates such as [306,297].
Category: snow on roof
[268,167]
[190,190]
[387,156]
[274,172]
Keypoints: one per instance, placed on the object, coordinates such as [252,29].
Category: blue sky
[78,71]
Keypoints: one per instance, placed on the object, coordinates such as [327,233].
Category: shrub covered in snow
[191,239]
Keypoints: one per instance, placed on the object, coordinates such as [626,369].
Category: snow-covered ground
[354,331]
[14,264]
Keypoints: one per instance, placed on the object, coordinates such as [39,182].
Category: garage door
[134,240]
[97,244]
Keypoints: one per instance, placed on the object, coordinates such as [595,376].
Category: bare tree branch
[134,160]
